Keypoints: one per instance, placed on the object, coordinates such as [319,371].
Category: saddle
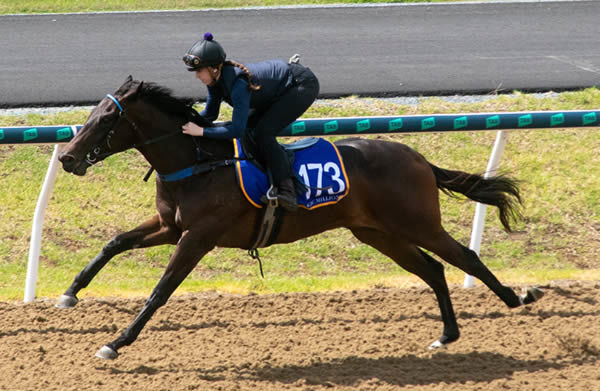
[320,173]
[252,152]
[319,170]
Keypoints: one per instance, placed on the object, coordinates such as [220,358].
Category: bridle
[201,166]
[96,154]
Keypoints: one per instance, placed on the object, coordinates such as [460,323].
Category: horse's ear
[129,79]
[133,89]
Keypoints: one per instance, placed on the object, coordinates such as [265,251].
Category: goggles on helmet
[192,61]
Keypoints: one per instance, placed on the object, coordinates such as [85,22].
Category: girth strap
[268,229]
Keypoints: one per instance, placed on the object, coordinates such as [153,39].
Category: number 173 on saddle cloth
[319,167]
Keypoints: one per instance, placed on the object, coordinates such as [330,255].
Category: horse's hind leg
[148,234]
[423,265]
[467,260]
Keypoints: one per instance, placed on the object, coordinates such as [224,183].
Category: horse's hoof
[444,340]
[66,301]
[107,353]
[533,294]
[437,345]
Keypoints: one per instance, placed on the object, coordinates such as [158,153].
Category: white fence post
[480,209]
[38,224]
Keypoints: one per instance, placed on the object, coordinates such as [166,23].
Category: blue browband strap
[109,96]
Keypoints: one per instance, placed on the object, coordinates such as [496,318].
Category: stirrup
[271,197]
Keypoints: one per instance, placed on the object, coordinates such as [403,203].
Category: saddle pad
[319,166]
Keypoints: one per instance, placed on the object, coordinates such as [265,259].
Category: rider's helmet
[204,53]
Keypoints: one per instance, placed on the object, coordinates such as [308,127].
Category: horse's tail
[500,191]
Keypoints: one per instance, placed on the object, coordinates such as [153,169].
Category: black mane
[162,98]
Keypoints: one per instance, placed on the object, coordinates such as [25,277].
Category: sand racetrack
[362,340]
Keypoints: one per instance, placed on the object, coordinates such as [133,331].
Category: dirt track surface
[361,340]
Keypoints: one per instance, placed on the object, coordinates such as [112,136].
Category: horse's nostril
[64,158]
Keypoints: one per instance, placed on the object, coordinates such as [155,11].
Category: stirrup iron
[271,196]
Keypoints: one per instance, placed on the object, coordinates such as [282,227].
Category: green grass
[60,6]
[558,238]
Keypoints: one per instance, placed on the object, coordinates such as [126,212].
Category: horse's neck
[212,149]
[179,151]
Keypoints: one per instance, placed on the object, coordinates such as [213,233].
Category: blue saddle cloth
[319,166]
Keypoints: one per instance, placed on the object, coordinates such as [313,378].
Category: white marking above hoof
[106,353]
[533,294]
[537,293]
[437,345]
[66,301]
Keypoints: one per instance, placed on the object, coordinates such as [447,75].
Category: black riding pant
[268,123]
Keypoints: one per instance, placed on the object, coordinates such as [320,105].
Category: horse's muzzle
[72,165]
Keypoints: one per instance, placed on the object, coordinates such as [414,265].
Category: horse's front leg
[150,233]
[189,251]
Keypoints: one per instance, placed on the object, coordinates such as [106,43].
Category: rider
[266,97]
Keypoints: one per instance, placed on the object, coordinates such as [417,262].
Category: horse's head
[96,140]
[139,115]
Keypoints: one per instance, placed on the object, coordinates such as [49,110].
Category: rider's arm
[240,99]
[213,105]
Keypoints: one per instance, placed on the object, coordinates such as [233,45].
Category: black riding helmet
[204,53]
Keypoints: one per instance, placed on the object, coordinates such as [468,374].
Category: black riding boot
[286,195]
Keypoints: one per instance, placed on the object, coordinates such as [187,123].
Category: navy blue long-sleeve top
[274,78]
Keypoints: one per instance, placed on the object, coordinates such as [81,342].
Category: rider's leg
[281,171]
[291,105]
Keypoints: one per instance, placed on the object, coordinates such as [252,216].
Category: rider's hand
[192,129]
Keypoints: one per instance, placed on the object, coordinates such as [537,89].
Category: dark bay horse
[393,203]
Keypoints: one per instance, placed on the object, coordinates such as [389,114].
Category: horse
[393,204]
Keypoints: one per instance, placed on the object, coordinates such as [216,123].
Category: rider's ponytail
[251,84]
